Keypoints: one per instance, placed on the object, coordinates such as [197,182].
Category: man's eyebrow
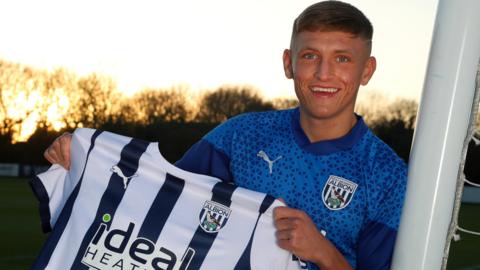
[344,51]
[308,49]
[338,51]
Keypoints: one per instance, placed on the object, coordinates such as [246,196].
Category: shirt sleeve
[47,189]
[377,239]
[211,155]
[53,187]
[204,158]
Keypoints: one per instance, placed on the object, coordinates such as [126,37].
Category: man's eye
[310,56]
[342,59]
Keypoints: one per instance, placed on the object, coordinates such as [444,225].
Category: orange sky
[203,43]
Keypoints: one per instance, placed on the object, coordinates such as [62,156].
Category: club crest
[213,216]
[338,192]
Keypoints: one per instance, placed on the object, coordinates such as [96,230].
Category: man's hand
[297,233]
[59,151]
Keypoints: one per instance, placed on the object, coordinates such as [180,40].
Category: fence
[21,170]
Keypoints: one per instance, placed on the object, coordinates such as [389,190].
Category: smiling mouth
[324,90]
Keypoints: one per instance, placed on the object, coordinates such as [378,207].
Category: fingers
[284,239]
[287,224]
[65,142]
[289,237]
[287,219]
[50,155]
[59,151]
[297,233]
[287,227]
[281,212]
[293,228]
[284,235]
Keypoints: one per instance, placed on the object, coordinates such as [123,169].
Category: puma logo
[119,172]
[265,157]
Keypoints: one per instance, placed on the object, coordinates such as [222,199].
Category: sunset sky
[204,44]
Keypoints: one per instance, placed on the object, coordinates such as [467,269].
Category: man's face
[327,69]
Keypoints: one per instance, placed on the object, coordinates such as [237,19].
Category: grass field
[21,236]
[465,254]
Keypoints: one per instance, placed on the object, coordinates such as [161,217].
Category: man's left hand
[297,233]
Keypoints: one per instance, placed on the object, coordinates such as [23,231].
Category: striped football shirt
[123,206]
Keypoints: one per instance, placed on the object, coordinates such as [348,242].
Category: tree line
[32,98]
[37,105]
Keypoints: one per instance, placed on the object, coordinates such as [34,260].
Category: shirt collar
[328,146]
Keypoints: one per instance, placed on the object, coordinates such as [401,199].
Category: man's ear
[287,64]
[368,70]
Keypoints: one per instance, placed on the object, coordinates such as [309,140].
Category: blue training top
[352,187]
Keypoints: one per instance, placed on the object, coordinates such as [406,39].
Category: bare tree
[98,101]
[372,106]
[284,103]
[404,110]
[21,99]
[61,95]
[228,101]
[153,105]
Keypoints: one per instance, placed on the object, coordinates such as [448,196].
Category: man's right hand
[59,151]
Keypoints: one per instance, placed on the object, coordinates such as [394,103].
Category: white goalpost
[441,130]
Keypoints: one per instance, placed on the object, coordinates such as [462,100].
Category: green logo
[334,202]
[106,218]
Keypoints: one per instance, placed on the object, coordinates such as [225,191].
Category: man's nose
[324,70]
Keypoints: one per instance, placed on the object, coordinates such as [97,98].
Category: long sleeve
[53,187]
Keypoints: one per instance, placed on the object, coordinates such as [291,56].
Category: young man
[344,187]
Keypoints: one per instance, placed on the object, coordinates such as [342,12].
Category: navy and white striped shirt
[123,206]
